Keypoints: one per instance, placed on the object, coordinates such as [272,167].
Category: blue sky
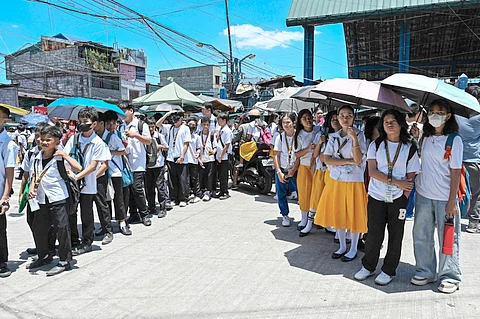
[258,27]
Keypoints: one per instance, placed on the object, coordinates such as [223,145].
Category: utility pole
[230,78]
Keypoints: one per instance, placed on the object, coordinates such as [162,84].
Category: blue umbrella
[33,119]
[68,108]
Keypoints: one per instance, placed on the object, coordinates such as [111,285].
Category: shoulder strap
[377,143]
[107,139]
[449,144]
[411,152]
[140,127]
[62,170]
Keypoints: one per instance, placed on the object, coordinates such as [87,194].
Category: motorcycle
[258,172]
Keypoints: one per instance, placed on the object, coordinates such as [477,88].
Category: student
[303,144]
[343,204]
[8,157]
[285,164]
[207,159]
[138,135]
[155,175]
[437,186]
[179,138]
[22,141]
[95,152]
[393,163]
[49,191]
[193,153]
[207,111]
[224,148]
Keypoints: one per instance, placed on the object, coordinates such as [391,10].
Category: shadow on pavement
[314,254]
[14,265]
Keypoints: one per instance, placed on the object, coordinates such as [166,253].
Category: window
[133,94]
[140,73]
[105,82]
[217,80]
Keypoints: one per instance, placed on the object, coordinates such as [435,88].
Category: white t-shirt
[22,140]
[254,130]
[213,125]
[284,145]
[52,184]
[207,143]
[137,155]
[433,181]
[98,151]
[193,147]
[378,189]
[224,137]
[176,139]
[160,140]
[304,140]
[8,157]
[345,173]
[114,144]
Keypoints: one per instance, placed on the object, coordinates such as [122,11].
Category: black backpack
[152,150]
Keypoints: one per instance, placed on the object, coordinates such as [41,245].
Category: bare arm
[119,153]
[163,118]
[9,172]
[88,170]
[72,162]
[103,168]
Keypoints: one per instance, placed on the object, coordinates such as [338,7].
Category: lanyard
[38,177]
[289,148]
[340,147]
[175,137]
[391,164]
[204,142]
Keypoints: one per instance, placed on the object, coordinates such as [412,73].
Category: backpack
[127,174]
[464,192]
[73,188]
[151,149]
[265,136]
[76,152]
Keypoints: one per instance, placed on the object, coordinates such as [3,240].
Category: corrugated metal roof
[317,12]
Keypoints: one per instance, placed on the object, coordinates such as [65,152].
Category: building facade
[9,94]
[199,80]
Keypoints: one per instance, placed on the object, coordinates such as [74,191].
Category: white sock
[310,218]
[341,232]
[304,219]
[123,224]
[336,234]
[349,235]
[330,228]
[353,246]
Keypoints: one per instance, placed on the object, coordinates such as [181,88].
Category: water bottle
[448,236]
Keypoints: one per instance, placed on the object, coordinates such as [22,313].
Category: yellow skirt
[343,205]
[304,185]
[327,176]
[317,189]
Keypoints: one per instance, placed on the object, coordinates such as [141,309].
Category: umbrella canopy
[68,108]
[283,101]
[222,104]
[172,94]
[362,92]
[33,119]
[15,110]
[423,90]
[164,107]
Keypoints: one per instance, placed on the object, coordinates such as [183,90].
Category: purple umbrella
[362,92]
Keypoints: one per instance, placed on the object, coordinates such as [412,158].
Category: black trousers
[194,179]
[222,169]
[178,185]
[381,215]
[52,214]
[206,177]
[137,202]
[120,199]
[3,239]
[100,199]
[155,181]
[86,215]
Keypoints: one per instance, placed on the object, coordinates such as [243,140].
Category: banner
[40,110]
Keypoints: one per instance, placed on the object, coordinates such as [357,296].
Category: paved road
[225,259]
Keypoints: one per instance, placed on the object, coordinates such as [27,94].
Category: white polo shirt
[207,143]
[346,173]
[254,130]
[8,157]
[176,139]
[160,140]
[52,184]
[213,125]
[284,145]
[224,137]
[97,150]
[378,189]
[115,165]
[318,163]
[137,154]
[304,140]
[193,147]
[28,160]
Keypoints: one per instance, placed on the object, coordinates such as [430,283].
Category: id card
[389,195]
[34,205]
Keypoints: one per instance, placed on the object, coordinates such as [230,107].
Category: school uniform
[343,203]
[8,157]
[387,204]
[304,175]
[224,140]
[26,166]
[137,157]
[208,143]
[155,178]
[254,130]
[193,172]
[284,145]
[178,173]
[94,149]
[100,199]
[51,195]
[213,125]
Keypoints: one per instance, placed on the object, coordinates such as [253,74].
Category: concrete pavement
[225,259]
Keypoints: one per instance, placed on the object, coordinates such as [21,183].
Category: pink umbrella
[362,92]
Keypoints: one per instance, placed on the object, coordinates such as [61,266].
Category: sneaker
[5,271]
[58,269]
[190,197]
[40,262]
[168,205]
[147,221]
[421,281]
[206,197]
[363,274]
[162,214]
[125,230]
[107,239]
[196,199]
[285,221]
[183,204]
[293,196]
[383,279]
[473,227]
[224,196]
[81,249]
[448,287]
[275,197]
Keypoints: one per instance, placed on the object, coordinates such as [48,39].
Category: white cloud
[249,36]
[14,26]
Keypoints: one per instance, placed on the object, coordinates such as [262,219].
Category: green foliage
[98,61]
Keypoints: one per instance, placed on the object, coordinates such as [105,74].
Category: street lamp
[238,63]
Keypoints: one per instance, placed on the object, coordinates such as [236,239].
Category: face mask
[192,129]
[71,128]
[84,127]
[437,120]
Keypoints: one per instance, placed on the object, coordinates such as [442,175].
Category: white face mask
[437,120]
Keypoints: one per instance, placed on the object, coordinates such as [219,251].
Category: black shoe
[40,262]
[32,251]
[303,234]
[134,219]
[59,268]
[300,227]
[99,233]
[125,230]
[346,259]
[330,232]
[162,214]
[147,221]
[107,239]
[361,245]
[319,227]
[338,256]
[4,271]
[81,249]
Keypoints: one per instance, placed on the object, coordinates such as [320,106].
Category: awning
[15,110]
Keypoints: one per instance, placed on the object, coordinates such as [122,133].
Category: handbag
[127,174]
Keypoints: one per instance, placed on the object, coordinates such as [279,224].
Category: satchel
[127,174]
